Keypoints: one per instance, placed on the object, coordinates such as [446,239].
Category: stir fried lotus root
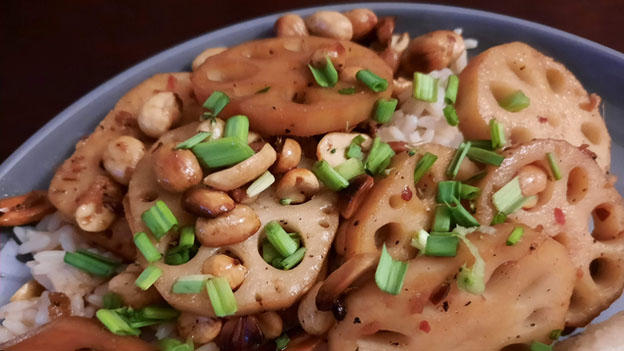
[560,108]
[264,287]
[293,104]
[81,178]
[563,211]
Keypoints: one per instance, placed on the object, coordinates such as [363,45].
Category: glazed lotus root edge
[563,211]
[559,108]
[264,287]
[81,174]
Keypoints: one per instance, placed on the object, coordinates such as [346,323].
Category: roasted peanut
[330,24]
[385,29]
[204,202]
[243,172]
[336,53]
[363,22]
[271,324]
[230,228]
[93,218]
[24,209]
[290,25]
[200,329]
[289,157]
[227,267]
[240,333]
[97,207]
[158,114]
[201,58]
[432,51]
[214,126]
[532,179]
[311,319]
[298,185]
[121,157]
[123,285]
[176,170]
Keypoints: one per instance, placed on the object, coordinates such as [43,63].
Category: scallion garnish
[384,109]
[221,296]
[187,237]
[457,160]
[372,81]
[441,245]
[192,141]
[555,334]
[347,91]
[448,190]
[263,90]
[379,157]
[419,241]
[148,277]
[471,279]
[329,176]
[485,156]
[285,201]
[294,259]
[280,240]
[237,127]
[469,192]
[146,247]
[515,236]
[451,115]
[260,184]
[354,150]
[554,166]
[461,216]
[497,134]
[327,76]
[390,274]
[499,218]
[171,344]
[425,87]
[215,103]
[157,313]
[451,89]
[515,101]
[281,343]
[482,144]
[423,166]
[89,264]
[177,256]
[350,169]
[269,253]
[159,219]
[190,284]
[509,198]
[111,301]
[112,260]
[538,346]
[222,152]
[116,323]
[441,219]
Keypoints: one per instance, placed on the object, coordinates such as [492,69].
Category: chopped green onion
[222,152]
[221,297]
[263,90]
[327,76]
[472,279]
[146,247]
[347,91]
[468,192]
[448,190]
[442,219]
[329,176]
[294,259]
[285,201]
[423,166]
[190,284]
[111,301]
[187,237]
[144,323]
[148,277]
[538,346]
[411,152]
[482,144]
[350,169]
[280,240]
[89,264]
[384,109]
[499,218]
[194,140]
[177,256]
[451,89]
[441,245]
[515,102]
[509,198]
[215,103]
[515,236]
[390,274]
[159,219]
[281,343]
[157,313]
[171,344]
[497,134]
[457,160]
[112,260]
[554,166]
[485,156]
[115,323]
[354,150]
[461,216]
[372,81]
[261,184]
[237,127]
[269,253]
[419,241]
[451,115]
[379,157]
[555,334]
[425,87]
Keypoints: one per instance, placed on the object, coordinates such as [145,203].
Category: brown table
[53,52]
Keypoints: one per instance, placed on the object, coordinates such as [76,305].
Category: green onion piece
[350,169]
[451,115]
[237,127]
[515,102]
[354,150]
[425,87]
[190,284]
[509,198]
[115,323]
[419,241]
[390,274]
[379,157]
[461,216]
[261,184]
[451,89]
[515,236]
[329,176]
[187,237]
[192,141]
[269,253]
[555,334]
[538,346]
[216,102]
[468,192]
[485,156]
[222,152]
[89,264]
[497,134]
[111,260]
[177,257]
[347,91]
[146,247]
[148,277]
[111,301]
[280,240]
[441,245]
[499,218]
[442,219]
[221,297]
[263,90]
[371,80]
[482,144]
[157,312]
[285,201]
[144,323]
[423,166]
[411,152]
[472,279]
[327,76]
[554,166]
[159,219]
[384,109]
[448,190]
[457,160]
[170,344]
[281,343]
[294,259]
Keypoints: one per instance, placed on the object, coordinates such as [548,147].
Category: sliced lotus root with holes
[523,301]
[564,210]
[294,103]
[560,107]
[265,287]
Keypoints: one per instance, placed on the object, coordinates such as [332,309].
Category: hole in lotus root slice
[607,221]
[556,80]
[520,69]
[520,135]
[592,132]
[501,90]
[578,185]
[516,347]
[384,340]
[397,241]
[603,271]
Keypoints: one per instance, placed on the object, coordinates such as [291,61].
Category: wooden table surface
[54,52]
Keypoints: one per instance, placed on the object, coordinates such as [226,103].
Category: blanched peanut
[230,228]
[201,58]
[290,25]
[298,185]
[200,329]
[289,157]
[330,24]
[432,51]
[176,170]
[532,179]
[121,157]
[160,113]
[204,202]
[311,319]
[214,126]
[336,52]
[363,22]
[123,285]
[226,267]
[93,218]
[96,208]
[271,324]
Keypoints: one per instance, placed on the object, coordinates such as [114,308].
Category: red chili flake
[424,326]
[406,194]
[559,216]
[171,83]
[542,119]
